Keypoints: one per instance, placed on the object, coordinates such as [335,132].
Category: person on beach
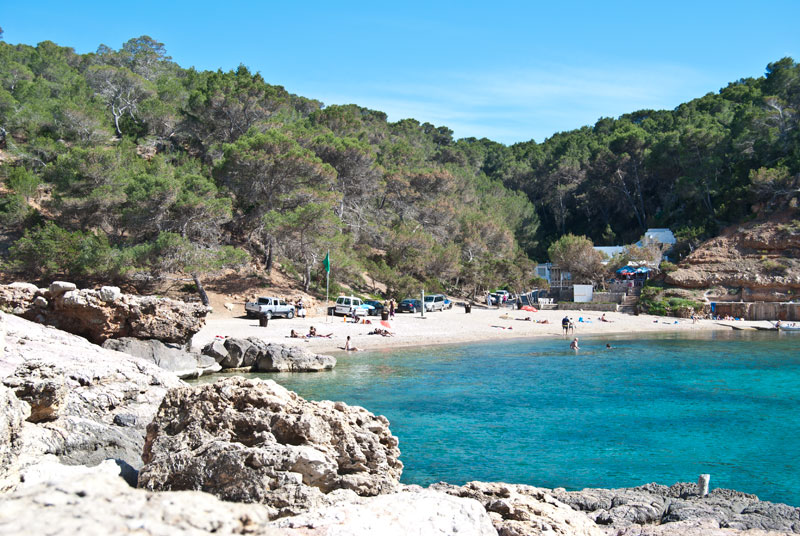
[312,333]
[571,326]
[565,324]
[574,344]
[295,335]
[604,319]
[391,308]
[348,347]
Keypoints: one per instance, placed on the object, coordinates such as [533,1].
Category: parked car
[409,306]
[377,307]
[434,302]
[346,305]
[448,304]
[269,306]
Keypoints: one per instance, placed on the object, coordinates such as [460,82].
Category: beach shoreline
[453,326]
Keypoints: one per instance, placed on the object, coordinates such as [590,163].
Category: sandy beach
[443,327]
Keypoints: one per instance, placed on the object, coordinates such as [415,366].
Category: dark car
[377,307]
[409,306]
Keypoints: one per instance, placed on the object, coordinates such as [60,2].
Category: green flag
[327,263]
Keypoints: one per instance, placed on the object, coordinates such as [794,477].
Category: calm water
[658,409]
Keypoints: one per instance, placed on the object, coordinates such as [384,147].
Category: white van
[345,305]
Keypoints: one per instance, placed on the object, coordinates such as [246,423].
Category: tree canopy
[128,151]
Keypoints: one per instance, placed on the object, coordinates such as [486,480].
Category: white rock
[57,288]
[109,294]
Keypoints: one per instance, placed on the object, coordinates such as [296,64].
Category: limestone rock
[96,503]
[77,390]
[57,288]
[167,356]
[654,504]
[13,413]
[518,510]
[762,258]
[254,441]
[266,357]
[423,512]
[106,313]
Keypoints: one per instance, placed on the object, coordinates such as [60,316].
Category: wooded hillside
[121,165]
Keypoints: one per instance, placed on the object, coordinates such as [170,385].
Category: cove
[652,409]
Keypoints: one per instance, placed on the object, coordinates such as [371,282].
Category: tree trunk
[307,277]
[200,290]
[269,255]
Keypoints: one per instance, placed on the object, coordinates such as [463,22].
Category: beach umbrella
[529,308]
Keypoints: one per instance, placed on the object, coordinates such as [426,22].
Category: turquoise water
[652,409]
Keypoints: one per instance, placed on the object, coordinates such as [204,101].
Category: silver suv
[434,302]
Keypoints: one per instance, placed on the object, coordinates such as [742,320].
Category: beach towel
[385,323]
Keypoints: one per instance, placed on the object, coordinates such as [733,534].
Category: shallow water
[662,409]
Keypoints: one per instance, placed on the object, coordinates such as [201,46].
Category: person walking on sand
[391,308]
[574,344]
[565,324]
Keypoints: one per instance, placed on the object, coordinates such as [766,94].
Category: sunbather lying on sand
[295,335]
[527,318]
[312,333]
[379,331]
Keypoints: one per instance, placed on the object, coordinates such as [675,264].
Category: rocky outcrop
[92,501]
[13,413]
[653,509]
[254,441]
[167,356]
[260,356]
[517,510]
[95,502]
[761,258]
[105,313]
[415,511]
[85,404]
[681,505]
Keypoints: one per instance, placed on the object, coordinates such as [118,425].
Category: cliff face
[761,259]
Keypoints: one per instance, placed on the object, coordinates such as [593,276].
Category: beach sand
[446,327]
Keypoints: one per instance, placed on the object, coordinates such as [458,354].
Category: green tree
[577,255]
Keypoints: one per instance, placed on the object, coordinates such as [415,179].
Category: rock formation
[260,356]
[762,258]
[92,501]
[105,313]
[517,510]
[651,509]
[13,413]
[167,356]
[85,404]
[254,441]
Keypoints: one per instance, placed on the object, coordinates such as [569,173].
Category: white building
[659,236]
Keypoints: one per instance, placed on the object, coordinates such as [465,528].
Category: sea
[653,408]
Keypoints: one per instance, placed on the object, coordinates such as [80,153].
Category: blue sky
[508,71]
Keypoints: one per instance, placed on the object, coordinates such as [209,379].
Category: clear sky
[508,71]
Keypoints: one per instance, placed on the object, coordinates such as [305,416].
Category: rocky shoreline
[81,424]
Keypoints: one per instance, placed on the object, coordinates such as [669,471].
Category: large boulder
[85,404]
[105,313]
[254,441]
[168,356]
[261,356]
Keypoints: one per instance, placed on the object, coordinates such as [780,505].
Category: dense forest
[122,166]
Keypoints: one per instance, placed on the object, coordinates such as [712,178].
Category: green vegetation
[121,164]
[656,300]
